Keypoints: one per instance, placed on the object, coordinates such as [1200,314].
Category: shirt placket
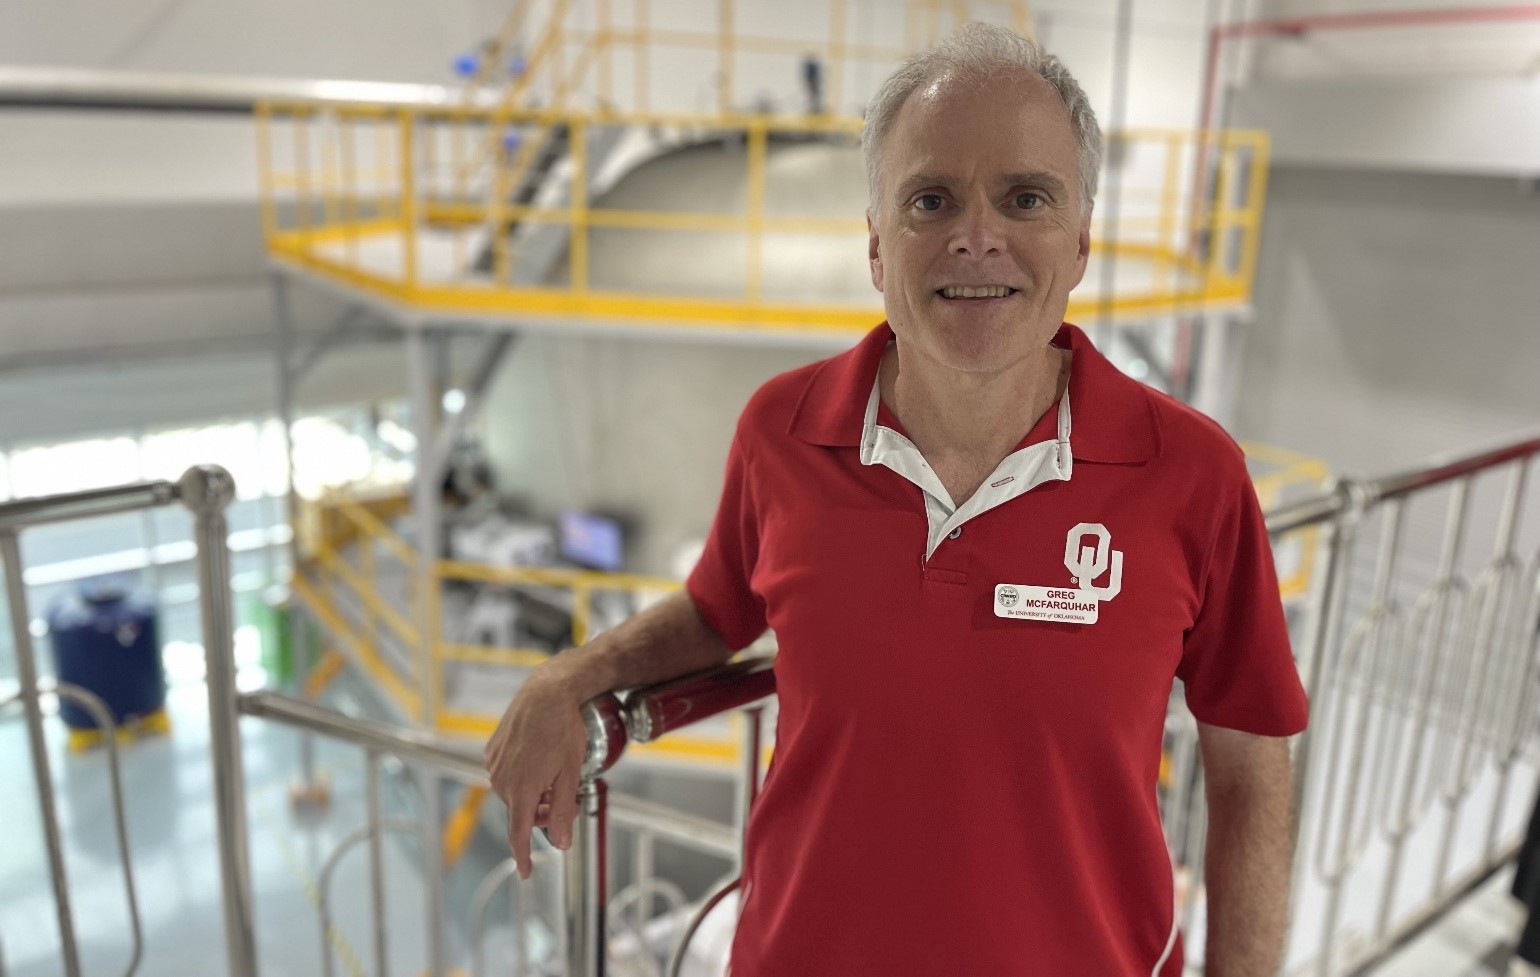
[1017,473]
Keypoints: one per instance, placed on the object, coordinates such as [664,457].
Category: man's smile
[974,293]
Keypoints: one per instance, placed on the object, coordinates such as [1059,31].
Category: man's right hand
[535,760]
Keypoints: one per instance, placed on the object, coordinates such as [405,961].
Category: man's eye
[1028,201]
[930,201]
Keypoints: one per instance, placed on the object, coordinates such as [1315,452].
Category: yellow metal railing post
[408,201]
[725,55]
[434,627]
[264,116]
[458,125]
[331,206]
[643,65]
[1021,16]
[606,55]
[383,154]
[347,136]
[754,272]
[836,55]
[1219,204]
[1256,195]
[582,595]
[302,211]
[577,141]
[1168,200]
[558,58]
[366,566]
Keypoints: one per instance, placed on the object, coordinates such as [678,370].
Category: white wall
[1398,316]
[1479,125]
[636,426]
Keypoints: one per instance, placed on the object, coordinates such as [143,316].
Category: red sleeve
[720,582]
[1237,668]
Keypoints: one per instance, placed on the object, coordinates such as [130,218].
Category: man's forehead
[1017,107]
[1011,126]
[952,87]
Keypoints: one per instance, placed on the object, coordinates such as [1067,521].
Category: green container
[272,612]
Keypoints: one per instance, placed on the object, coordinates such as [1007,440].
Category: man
[985,554]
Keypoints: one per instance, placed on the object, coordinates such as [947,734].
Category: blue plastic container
[105,641]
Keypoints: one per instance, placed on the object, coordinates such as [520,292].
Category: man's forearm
[665,641]
[1250,845]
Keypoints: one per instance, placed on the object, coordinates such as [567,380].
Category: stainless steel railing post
[584,869]
[207,490]
[376,859]
[1342,534]
[753,735]
[26,672]
[585,892]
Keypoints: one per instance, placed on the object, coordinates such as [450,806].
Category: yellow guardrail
[358,193]
[341,584]
[1279,476]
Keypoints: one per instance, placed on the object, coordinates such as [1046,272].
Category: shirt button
[954,533]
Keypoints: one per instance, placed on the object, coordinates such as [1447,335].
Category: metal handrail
[1402,483]
[89,88]
[104,722]
[83,505]
[666,822]
[362,833]
[666,707]
[1365,492]
[675,964]
[494,880]
[408,744]
[208,491]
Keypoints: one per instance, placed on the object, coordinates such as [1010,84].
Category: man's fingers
[564,807]
[521,820]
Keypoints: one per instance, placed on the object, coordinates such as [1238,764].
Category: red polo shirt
[964,781]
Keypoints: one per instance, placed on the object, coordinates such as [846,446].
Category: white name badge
[1065,605]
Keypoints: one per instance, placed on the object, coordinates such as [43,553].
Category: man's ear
[873,253]
[1082,249]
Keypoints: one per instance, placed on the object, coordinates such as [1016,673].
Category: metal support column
[376,860]
[207,490]
[26,672]
[1105,331]
[584,892]
[299,637]
[420,367]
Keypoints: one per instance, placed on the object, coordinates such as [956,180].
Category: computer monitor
[591,540]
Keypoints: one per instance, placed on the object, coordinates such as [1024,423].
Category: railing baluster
[26,672]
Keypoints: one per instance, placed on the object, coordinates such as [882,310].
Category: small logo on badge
[1009,596]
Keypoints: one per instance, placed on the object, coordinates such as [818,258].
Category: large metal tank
[804,178]
[105,640]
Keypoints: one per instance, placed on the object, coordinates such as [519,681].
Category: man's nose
[979,232]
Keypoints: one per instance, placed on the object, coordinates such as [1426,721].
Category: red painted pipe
[1386,18]
[1299,26]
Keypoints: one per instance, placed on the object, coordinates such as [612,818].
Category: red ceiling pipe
[1300,26]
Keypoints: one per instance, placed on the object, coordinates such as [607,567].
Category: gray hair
[976,51]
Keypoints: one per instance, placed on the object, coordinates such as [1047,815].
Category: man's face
[979,188]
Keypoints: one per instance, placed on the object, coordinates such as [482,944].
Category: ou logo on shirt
[1086,563]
